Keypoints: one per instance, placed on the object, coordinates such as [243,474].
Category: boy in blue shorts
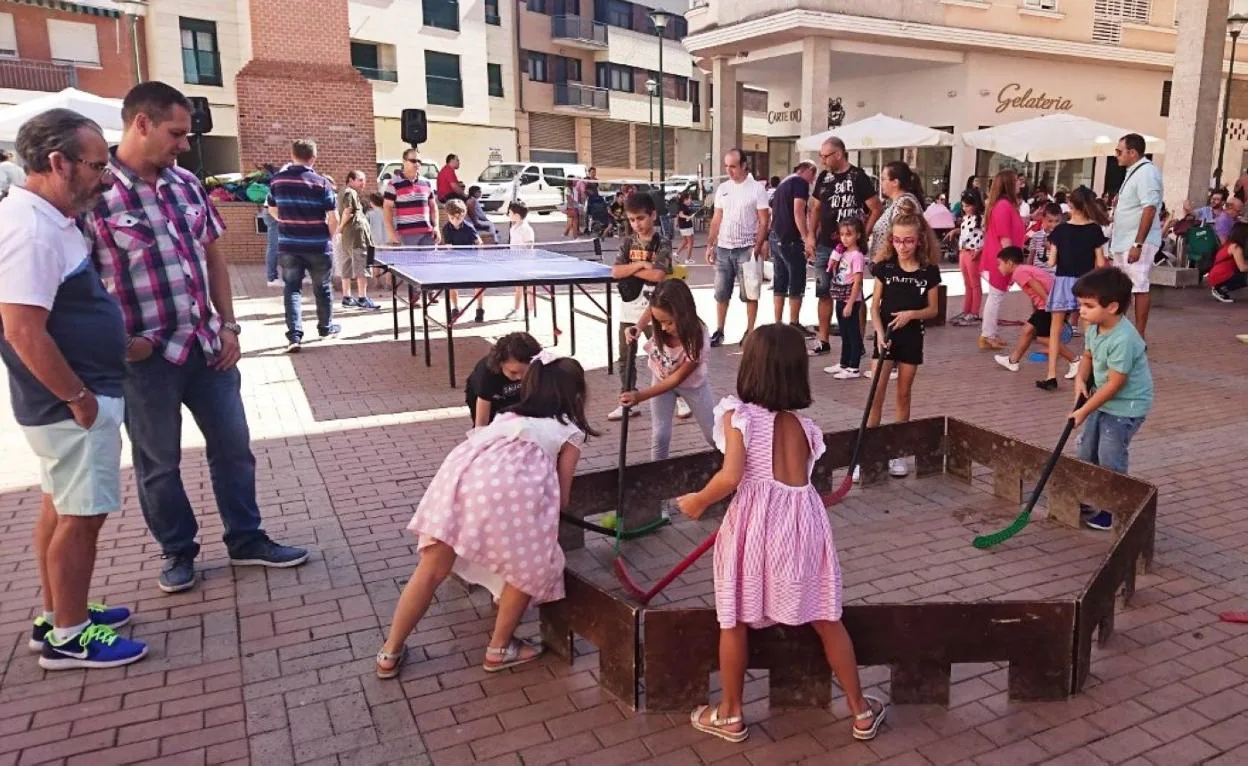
[1115,355]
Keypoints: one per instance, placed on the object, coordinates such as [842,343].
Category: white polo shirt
[740,203]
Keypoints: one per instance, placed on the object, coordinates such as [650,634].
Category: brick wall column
[300,84]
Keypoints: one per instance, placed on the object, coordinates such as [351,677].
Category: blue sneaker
[266,553]
[178,573]
[367,303]
[98,646]
[112,616]
[348,302]
[1103,521]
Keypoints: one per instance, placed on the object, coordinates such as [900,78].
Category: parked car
[539,185]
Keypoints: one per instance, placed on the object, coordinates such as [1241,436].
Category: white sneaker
[868,374]
[682,409]
[898,467]
[1005,361]
[857,475]
[847,374]
[834,369]
[1073,372]
[275,283]
[618,413]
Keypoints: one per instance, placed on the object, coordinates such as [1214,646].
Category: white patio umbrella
[879,132]
[1054,137]
[105,111]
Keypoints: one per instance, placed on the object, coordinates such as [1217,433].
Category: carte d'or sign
[785,115]
[1012,96]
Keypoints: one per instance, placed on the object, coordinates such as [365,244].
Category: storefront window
[931,163]
[1060,175]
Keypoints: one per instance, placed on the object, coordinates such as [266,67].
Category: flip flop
[716,727]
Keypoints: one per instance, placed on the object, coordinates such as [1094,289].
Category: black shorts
[1041,320]
[905,346]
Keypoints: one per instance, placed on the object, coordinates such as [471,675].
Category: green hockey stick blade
[996,538]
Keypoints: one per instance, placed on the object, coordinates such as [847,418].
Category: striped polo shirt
[740,202]
[411,204]
[302,198]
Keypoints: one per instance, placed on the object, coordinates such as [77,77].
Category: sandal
[398,658]
[876,718]
[511,655]
[719,726]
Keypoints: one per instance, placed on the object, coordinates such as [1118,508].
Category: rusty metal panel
[924,439]
[607,622]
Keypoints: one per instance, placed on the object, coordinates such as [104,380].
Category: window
[537,6]
[74,41]
[615,77]
[201,61]
[1040,5]
[374,60]
[619,14]
[567,69]
[491,13]
[1108,16]
[529,176]
[443,14]
[494,73]
[442,84]
[1165,98]
[537,67]
[555,177]
[695,96]
[8,37]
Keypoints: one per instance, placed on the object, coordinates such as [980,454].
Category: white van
[539,185]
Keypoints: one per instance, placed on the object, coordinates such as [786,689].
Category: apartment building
[957,65]
[49,45]
[589,88]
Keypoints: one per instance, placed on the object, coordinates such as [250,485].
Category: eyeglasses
[823,156]
[905,241]
[98,167]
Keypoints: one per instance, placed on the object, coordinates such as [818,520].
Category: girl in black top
[494,384]
[906,281]
[684,225]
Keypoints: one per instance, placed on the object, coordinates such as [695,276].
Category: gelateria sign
[1013,96]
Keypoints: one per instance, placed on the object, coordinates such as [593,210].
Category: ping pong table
[432,272]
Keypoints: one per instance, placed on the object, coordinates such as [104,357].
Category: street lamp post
[1234,25]
[651,85]
[661,19]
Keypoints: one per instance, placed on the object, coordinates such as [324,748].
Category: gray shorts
[728,263]
[79,467]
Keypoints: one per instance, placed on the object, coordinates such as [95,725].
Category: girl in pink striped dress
[774,558]
[491,513]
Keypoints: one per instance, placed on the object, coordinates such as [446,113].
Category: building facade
[957,65]
[47,46]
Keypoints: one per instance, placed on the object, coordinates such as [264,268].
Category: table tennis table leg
[450,341]
[610,335]
[411,318]
[572,316]
[554,313]
[394,303]
[424,313]
[524,293]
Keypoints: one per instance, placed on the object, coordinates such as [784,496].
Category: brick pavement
[275,667]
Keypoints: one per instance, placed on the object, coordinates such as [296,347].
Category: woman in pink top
[1005,228]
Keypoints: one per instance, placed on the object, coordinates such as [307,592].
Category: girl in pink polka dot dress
[775,561]
[491,514]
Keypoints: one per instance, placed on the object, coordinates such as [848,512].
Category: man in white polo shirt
[64,345]
[1136,234]
[738,232]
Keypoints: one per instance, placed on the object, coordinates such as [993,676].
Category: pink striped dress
[775,561]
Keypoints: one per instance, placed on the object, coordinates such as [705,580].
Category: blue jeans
[852,347]
[270,251]
[788,268]
[728,261]
[155,390]
[1105,439]
[823,279]
[663,407]
[321,269]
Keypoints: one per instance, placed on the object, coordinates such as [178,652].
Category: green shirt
[1122,350]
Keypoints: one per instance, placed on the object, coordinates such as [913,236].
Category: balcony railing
[581,96]
[33,74]
[371,73]
[578,29]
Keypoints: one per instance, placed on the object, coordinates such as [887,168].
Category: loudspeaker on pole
[415,126]
[201,115]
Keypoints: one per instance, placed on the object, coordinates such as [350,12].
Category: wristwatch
[233,327]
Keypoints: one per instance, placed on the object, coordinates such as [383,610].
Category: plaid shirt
[148,245]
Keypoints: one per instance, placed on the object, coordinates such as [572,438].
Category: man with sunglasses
[63,341]
[411,207]
[842,191]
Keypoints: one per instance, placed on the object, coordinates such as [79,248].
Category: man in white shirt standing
[738,233]
[11,174]
[1136,234]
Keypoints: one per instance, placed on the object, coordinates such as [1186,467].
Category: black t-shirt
[495,387]
[841,196]
[782,223]
[458,235]
[1076,245]
[904,290]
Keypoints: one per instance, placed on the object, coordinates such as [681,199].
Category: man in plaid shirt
[153,238]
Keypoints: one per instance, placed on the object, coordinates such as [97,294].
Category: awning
[107,8]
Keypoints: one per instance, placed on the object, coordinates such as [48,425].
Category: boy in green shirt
[1115,355]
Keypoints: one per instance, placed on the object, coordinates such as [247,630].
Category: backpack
[1200,245]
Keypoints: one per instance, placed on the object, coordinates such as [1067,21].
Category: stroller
[599,215]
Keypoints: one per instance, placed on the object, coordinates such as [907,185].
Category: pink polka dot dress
[775,561]
[495,500]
